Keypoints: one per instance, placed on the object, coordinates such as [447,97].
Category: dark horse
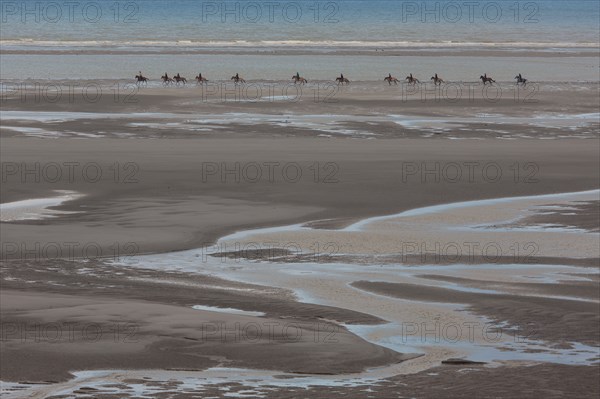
[141,79]
[179,79]
[237,79]
[166,79]
[437,80]
[412,80]
[342,80]
[521,80]
[299,79]
[390,79]
[485,79]
[200,79]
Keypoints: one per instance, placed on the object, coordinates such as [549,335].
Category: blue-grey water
[300,22]
[46,39]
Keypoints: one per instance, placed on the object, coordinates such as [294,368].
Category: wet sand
[447,381]
[453,64]
[550,319]
[171,208]
[174,205]
[97,332]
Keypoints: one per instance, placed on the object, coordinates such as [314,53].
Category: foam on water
[34,44]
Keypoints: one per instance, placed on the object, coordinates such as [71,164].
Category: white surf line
[36,209]
[358,226]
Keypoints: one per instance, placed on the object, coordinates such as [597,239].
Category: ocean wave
[28,43]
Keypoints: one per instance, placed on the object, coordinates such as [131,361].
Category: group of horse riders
[340,80]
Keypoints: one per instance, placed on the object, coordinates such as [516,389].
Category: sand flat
[195,242]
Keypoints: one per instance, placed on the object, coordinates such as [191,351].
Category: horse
[521,80]
[411,80]
[166,80]
[341,81]
[437,80]
[390,79]
[485,79]
[179,79]
[300,80]
[141,79]
[238,79]
[200,79]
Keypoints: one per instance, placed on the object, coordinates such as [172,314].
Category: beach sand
[187,178]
